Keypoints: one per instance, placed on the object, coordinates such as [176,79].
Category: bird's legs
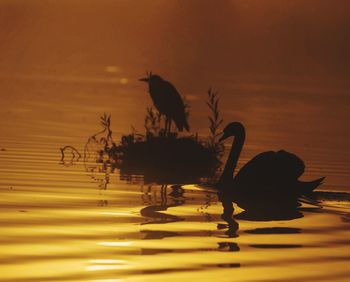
[167,125]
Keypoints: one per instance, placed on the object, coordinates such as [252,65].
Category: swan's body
[275,172]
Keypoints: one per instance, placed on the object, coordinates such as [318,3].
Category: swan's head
[232,129]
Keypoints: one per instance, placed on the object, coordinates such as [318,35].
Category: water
[58,225]
[64,223]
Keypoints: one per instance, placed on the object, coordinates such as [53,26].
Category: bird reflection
[228,246]
[260,207]
[154,213]
[227,216]
[274,207]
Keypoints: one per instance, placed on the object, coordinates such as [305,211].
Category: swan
[267,173]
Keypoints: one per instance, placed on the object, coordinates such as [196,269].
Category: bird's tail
[183,124]
[186,126]
[308,186]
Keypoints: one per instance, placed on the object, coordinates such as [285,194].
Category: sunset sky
[301,38]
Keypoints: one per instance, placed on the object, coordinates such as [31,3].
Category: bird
[168,102]
[268,173]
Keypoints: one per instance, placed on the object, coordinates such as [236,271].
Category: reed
[159,156]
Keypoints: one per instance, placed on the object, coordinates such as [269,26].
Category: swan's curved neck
[233,157]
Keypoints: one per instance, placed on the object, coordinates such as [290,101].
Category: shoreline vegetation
[159,156]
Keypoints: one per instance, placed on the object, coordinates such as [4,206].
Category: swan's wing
[270,169]
[290,167]
[258,170]
[172,98]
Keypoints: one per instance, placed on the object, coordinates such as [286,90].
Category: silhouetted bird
[167,101]
[268,173]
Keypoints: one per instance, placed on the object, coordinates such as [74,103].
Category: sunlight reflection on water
[69,223]
[59,226]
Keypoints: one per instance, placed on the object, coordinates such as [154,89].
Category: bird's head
[232,129]
[151,78]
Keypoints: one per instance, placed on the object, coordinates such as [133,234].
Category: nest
[159,156]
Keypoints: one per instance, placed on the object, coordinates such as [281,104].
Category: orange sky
[302,38]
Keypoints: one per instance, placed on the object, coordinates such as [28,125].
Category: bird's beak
[223,137]
[146,79]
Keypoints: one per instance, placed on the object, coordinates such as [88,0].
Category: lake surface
[281,69]
[64,223]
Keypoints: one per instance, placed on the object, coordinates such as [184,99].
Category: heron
[168,102]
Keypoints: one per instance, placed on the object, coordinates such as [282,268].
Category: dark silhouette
[168,102]
[69,155]
[268,173]
[158,156]
[227,215]
[168,160]
[154,213]
[261,207]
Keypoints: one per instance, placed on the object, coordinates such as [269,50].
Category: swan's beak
[223,137]
[146,79]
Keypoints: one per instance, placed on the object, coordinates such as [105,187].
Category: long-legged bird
[168,102]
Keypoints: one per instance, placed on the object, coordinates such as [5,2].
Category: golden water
[63,223]
[280,68]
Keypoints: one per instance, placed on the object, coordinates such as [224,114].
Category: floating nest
[157,155]
[165,158]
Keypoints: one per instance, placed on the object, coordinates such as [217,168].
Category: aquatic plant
[160,156]
[152,123]
[164,156]
[69,155]
[100,146]
[215,121]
